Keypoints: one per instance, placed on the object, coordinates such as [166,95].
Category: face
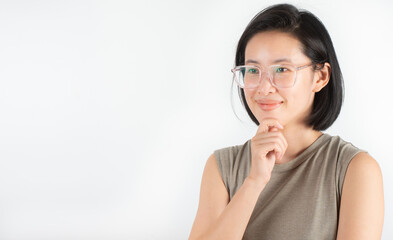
[272,48]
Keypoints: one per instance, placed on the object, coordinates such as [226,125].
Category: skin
[265,48]
[362,203]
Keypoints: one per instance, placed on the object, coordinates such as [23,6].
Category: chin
[271,116]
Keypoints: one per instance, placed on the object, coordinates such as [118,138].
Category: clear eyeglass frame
[269,72]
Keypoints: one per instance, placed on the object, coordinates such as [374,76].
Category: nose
[265,86]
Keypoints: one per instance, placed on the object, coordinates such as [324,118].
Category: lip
[269,107]
[267,101]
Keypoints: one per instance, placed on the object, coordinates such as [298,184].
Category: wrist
[255,183]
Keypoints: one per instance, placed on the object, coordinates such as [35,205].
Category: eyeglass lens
[282,76]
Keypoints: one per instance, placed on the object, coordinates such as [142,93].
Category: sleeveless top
[302,199]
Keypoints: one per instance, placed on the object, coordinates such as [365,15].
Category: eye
[281,69]
[252,70]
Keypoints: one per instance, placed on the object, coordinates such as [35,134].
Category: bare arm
[216,218]
[362,203]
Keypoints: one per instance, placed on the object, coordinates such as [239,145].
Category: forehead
[271,46]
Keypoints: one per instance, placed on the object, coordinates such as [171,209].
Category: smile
[269,107]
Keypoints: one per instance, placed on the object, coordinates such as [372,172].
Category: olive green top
[302,199]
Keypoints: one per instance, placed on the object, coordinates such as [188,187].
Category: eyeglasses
[280,76]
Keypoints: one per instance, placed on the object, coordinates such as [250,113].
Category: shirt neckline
[278,168]
[302,156]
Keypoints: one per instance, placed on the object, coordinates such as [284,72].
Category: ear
[322,77]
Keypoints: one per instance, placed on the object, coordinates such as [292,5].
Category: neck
[299,138]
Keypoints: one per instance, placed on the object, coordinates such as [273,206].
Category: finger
[274,129]
[272,147]
[264,146]
[279,134]
[274,139]
[282,138]
[262,139]
[269,122]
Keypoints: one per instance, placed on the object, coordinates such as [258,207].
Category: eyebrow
[275,61]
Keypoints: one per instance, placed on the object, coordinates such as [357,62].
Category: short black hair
[316,44]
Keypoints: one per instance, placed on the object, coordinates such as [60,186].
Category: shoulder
[233,164]
[343,154]
[363,166]
[362,202]
[335,145]
[231,152]
[227,156]
[363,161]
[344,146]
[345,151]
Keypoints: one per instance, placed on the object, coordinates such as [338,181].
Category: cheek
[249,95]
[300,99]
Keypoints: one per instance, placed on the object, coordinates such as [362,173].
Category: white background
[110,109]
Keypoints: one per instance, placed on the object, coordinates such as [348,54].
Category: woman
[290,181]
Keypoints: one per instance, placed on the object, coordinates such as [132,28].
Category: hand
[267,146]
